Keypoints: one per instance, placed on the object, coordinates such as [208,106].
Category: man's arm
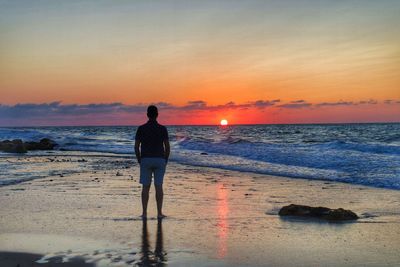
[137,150]
[167,149]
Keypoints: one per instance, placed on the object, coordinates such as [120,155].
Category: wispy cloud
[348,103]
[56,108]
[391,101]
[305,104]
[339,103]
[296,104]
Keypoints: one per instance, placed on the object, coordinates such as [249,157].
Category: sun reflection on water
[222,221]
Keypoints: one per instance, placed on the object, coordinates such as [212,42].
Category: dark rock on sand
[14,146]
[44,144]
[18,146]
[318,212]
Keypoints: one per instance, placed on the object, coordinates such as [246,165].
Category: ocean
[367,154]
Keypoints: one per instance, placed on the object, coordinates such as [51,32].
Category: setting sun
[224,122]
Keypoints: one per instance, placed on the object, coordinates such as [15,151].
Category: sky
[100,62]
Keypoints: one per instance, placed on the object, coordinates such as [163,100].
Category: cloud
[263,104]
[296,104]
[303,104]
[348,103]
[298,101]
[195,105]
[200,105]
[391,101]
[55,109]
[369,102]
[339,103]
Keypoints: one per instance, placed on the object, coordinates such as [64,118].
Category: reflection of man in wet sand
[152,151]
[148,258]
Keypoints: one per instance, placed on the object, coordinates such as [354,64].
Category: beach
[278,123]
[86,213]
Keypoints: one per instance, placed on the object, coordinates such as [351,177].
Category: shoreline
[96,154]
[215,217]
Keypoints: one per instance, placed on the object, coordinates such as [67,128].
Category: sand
[84,213]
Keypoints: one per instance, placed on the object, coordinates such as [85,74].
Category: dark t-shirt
[151,136]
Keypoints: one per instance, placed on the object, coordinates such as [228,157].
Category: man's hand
[167,150]
[137,151]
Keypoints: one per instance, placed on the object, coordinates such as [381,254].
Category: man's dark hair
[152,112]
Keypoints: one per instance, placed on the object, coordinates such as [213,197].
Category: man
[152,152]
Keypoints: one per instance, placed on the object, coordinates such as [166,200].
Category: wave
[363,147]
[370,165]
[243,165]
[361,154]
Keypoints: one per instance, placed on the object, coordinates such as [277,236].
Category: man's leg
[158,183]
[159,199]
[145,199]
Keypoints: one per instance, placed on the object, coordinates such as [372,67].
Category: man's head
[152,112]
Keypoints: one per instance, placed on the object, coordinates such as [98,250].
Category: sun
[224,122]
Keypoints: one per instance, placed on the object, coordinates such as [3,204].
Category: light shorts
[150,167]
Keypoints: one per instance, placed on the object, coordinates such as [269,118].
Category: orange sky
[175,52]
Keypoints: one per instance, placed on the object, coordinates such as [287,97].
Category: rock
[119,174]
[46,144]
[318,212]
[14,146]
[43,144]
[203,153]
[18,146]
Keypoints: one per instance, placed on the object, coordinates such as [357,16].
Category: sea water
[367,154]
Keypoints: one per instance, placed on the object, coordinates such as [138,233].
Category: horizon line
[206,125]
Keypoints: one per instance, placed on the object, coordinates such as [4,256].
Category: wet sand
[30,260]
[88,210]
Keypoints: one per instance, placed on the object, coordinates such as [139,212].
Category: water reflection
[148,257]
[222,222]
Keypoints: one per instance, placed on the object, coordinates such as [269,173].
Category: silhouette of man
[152,151]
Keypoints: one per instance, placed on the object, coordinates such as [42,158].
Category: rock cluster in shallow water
[318,212]
[18,146]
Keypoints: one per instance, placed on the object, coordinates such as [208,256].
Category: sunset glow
[224,122]
[262,62]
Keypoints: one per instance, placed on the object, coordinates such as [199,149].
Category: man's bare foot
[161,216]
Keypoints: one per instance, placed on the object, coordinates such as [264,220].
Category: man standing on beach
[152,152]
